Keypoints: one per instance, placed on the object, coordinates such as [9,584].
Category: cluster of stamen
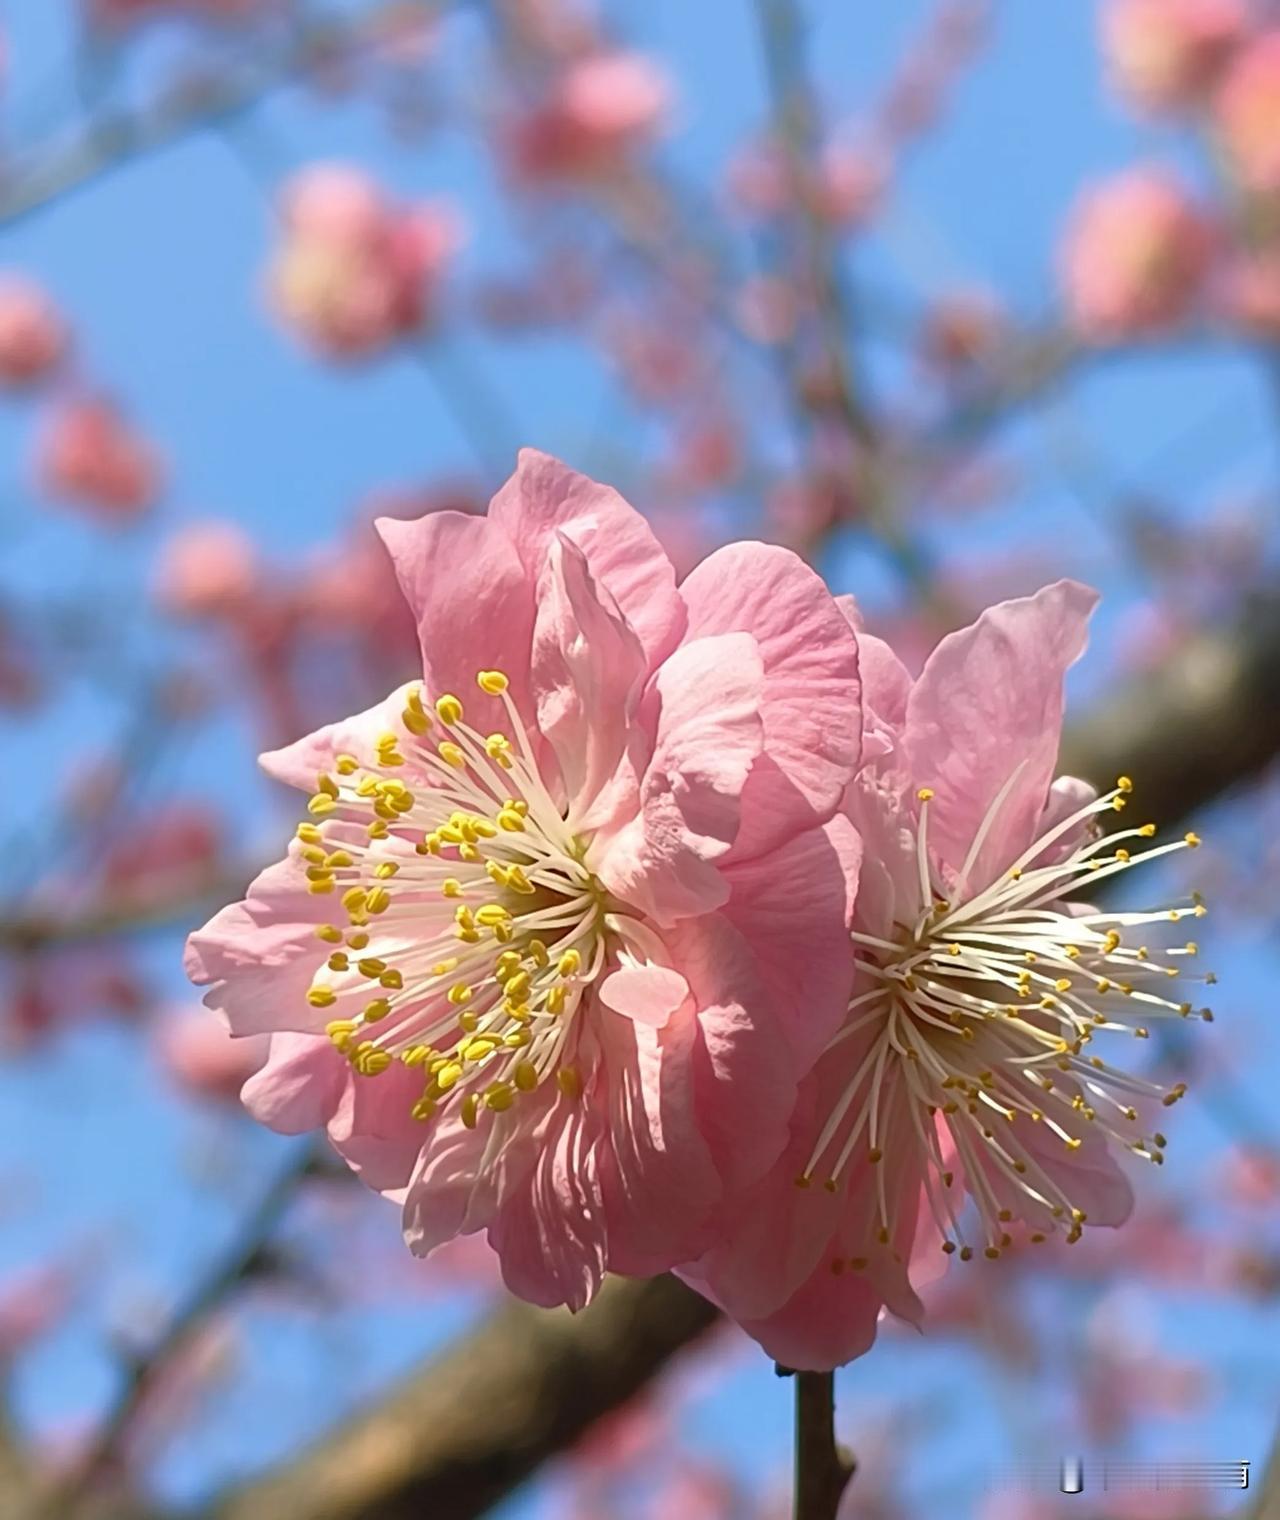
[472,928]
[980,1014]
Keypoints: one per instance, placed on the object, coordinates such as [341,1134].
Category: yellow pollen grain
[322,997]
[492,681]
[451,755]
[449,708]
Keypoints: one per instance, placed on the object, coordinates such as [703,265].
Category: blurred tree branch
[47,172]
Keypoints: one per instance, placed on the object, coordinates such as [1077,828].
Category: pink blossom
[1164,54]
[175,844]
[1251,294]
[207,569]
[33,336]
[962,330]
[602,107]
[962,1066]
[1247,109]
[32,1301]
[89,454]
[591,914]
[1135,256]
[122,12]
[203,1059]
[1251,1176]
[355,272]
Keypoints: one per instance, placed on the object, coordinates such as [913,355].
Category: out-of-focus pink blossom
[1247,110]
[1135,256]
[200,1056]
[122,12]
[32,1301]
[1165,54]
[33,335]
[600,109]
[846,186]
[1251,293]
[207,569]
[1251,1176]
[175,843]
[354,271]
[89,454]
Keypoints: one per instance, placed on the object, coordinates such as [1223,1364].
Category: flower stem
[822,1470]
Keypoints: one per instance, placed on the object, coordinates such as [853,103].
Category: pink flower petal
[299,1086]
[645,994]
[588,670]
[988,703]
[545,497]
[812,726]
[708,736]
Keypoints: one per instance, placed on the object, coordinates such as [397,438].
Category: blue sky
[159,265]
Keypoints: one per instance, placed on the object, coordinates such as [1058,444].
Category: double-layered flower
[568,918]
[976,1094]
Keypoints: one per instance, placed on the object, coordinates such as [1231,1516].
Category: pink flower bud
[1135,256]
[207,569]
[1164,54]
[1248,109]
[89,454]
[33,336]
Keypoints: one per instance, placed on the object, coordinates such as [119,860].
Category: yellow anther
[468,1109]
[448,708]
[519,882]
[449,1075]
[499,1097]
[322,997]
[1192,839]
[353,900]
[308,833]
[517,986]
[498,748]
[1147,830]
[330,934]
[418,723]
[492,681]
[339,860]
[468,1022]
[507,964]
[377,829]
[1123,784]
[538,953]
[451,887]
[385,870]
[371,966]
[511,821]
[1063,984]
[321,805]
[319,885]
[517,805]
[492,913]
[370,1062]
[377,1009]
[340,1031]
[875,1154]
[313,855]
[480,1047]
[459,994]
[346,765]
[338,961]
[392,979]
[423,1110]
[367,786]
[570,963]
[569,1082]
[416,1055]
[377,900]
[925,794]
[326,786]
[452,755]
[526,1076]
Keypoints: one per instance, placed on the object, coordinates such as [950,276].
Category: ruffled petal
[474,603]
[794,906]
[545,498]
[549,1233]
[659,1185]
[988,707]
[298,764]
[258,957]
[811,712]
[708,737]
[300,1085]
[588,671]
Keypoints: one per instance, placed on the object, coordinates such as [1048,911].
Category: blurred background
[953,298]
